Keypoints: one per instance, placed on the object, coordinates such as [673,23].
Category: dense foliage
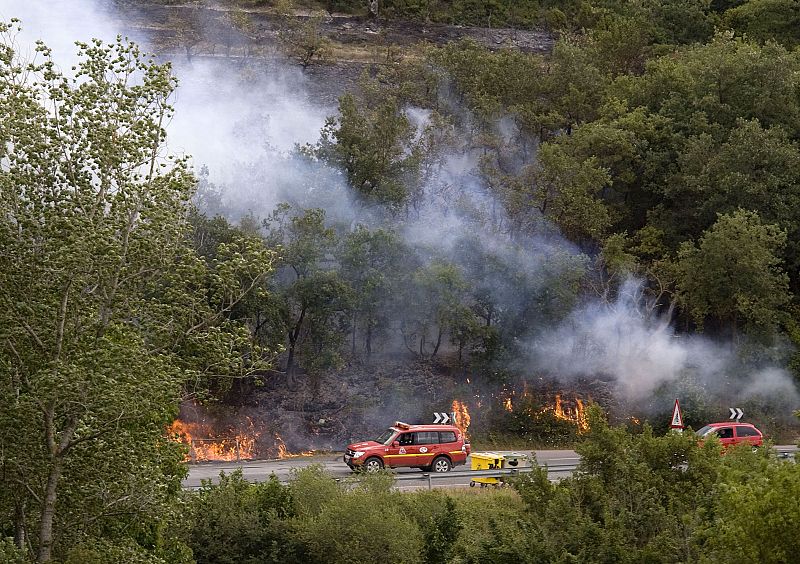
[678,169]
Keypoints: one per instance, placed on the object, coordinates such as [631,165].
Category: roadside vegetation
[636,498]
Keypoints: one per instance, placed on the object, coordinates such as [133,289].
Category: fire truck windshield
[385,437]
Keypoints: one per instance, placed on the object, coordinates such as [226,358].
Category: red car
[434,448]
[730,434]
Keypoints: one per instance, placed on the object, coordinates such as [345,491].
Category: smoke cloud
[640,352]
[241,123]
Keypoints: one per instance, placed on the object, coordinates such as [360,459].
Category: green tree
[185,33]
[302,38]
[376,148]
[620,44]
[767,20]
[638,149]
[235,286]
[316,299]
[567,193]
[705,87]
[436,302]
[734,274]
[370,263]
[100,323]
[680,21]
[753,168]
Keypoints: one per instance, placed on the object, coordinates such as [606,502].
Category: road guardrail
[455,475]
[471,474]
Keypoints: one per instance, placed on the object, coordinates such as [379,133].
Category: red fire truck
[433,448]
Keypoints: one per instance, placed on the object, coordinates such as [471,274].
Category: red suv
[730,434]
[434,448]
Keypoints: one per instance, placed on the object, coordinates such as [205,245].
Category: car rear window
[447,437]
[426,438]
[746,432]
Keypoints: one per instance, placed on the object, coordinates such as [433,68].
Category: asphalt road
[561,463]
[260,470]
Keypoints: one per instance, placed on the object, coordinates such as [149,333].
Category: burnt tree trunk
[438,343]
[294,334]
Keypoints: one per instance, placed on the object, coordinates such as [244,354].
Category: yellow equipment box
[485,461]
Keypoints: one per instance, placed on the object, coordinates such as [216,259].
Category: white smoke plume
[640,352]
[59,25]
[239,122]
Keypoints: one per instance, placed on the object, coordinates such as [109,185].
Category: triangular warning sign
[677,418]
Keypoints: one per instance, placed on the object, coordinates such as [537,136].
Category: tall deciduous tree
[376,148]
[100,318]
[567,193]
[765,20]
[437,304]
[302,38]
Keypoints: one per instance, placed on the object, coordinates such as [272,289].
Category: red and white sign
[677,418]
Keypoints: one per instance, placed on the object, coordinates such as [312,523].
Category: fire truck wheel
[373,464]
[441,464]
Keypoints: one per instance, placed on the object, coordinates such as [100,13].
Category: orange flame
[507,405]
[283,452]
[207,444]
[576,415]
[462,416]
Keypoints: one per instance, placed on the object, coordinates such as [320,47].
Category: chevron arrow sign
[736,413]
[442,418]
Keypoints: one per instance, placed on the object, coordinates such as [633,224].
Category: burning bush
[239,437]
[537,421]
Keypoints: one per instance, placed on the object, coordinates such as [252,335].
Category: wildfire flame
[207,444]
[283,452]
[507,405]
[576,415]
[462,416]
[212,443]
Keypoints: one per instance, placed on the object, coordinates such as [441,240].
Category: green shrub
[362,526]
[237,522]
[312,488]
